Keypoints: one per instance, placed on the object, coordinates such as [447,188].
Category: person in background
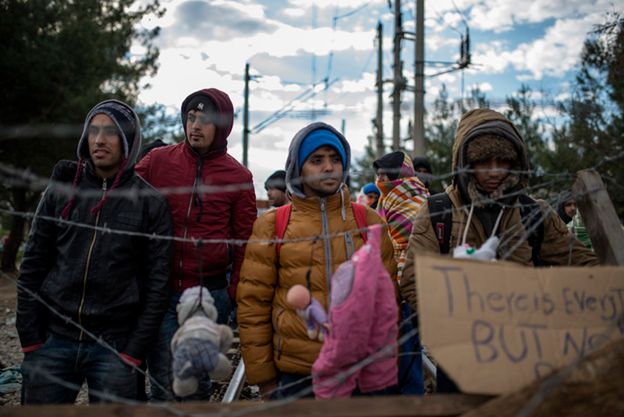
[422,169]
[104,285]
[402,196]
[371,195]
[275,187]
[211,196]
[149,146]
[568,211]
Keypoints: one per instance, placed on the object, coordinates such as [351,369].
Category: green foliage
[593,135]
[521,112]
[363,171]
[57,60]
[156,123]
[441,131]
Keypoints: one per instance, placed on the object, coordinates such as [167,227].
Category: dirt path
[10,352]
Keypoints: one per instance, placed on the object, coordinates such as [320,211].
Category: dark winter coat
[112,284]
[558,247]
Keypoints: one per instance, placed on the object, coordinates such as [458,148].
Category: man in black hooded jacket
[91,272]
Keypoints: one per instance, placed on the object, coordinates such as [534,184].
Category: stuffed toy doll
[310,310]
[200,344]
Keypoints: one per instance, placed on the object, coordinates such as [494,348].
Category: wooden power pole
[398,81]
[419,81]
[379,138]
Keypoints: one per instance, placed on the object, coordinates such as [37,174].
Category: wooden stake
[602,223]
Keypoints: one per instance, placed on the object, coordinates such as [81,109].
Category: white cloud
[483,87]
[554,54]
[183,71]
[436,41]
[366,83]
[293,12]
[501,15]
[344,4]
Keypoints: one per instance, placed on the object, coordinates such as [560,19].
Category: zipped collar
[211,154]
[94,179]
[337,201]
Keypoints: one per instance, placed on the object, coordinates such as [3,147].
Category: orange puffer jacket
[273,337]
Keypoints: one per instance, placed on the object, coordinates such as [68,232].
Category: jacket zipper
[86,272]
[327,248]
[185,234]
[349,246]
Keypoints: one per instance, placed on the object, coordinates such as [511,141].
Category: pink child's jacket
[363,327]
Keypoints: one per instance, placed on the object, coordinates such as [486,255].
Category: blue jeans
[159,360]
[54,373]
[289,385]
[411,378]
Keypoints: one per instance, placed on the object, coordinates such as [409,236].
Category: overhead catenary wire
[284,110]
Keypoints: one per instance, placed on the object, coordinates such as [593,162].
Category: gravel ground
[11,354]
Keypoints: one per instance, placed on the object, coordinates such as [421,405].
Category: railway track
[236,388]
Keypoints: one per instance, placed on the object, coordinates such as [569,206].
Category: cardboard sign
[495,327]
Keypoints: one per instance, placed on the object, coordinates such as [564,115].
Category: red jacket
[228,212]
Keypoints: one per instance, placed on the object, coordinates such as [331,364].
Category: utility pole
[246,117]
[379,149]
[398,81]
[419,81]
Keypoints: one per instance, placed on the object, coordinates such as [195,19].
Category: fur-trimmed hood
[480,123]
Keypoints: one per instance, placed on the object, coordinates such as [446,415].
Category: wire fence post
[599,215]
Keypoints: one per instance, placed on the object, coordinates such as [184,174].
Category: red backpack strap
[282,215]
[359,211]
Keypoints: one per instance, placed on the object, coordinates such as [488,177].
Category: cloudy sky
[292,46]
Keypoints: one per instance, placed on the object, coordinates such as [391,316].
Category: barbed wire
[338,378]
[133,193]
[554,381]
[18,177]
[528,230]
[68,320]
[229,241]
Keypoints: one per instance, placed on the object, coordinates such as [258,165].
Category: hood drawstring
[497,223]
[99,205]
[343,211]
[494,229]
[67,209]
[467,223]
[197,201]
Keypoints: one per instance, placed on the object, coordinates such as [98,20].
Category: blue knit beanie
[318,138]
[371,188]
